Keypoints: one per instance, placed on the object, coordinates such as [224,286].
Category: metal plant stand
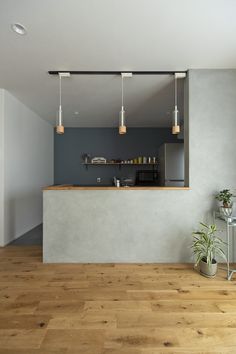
[230,223]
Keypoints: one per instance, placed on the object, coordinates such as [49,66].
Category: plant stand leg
[232,234]
[228,271]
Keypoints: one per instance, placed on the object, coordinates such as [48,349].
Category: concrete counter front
[105,225]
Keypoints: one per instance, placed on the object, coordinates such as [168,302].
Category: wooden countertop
[69,187]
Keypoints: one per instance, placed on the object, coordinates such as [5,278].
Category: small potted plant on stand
[206,246]
[225,196]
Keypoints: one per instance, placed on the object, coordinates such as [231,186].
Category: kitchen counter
[78,187]
[83,224]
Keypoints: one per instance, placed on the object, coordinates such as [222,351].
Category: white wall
[28,166]
[1,166]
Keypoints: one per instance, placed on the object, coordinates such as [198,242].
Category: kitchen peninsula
[111,201]
[83,224]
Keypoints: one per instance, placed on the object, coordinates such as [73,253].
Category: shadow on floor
[33,237]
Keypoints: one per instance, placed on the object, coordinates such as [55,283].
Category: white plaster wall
[28,166]
[1,166]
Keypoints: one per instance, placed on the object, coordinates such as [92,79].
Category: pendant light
[175,113]
[60,126]
[122,123]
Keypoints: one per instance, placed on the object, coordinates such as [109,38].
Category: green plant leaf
[206,244]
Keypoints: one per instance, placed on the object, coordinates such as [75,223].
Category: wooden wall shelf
[119,164]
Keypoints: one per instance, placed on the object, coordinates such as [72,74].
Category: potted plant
[206,246]
[225,196]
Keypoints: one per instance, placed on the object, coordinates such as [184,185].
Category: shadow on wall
[159,99]
[33,237]
[22,213]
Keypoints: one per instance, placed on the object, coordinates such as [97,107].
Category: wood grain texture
[112,308]
[71,187]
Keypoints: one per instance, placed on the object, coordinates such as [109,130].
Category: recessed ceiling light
[76,113]
[18,28]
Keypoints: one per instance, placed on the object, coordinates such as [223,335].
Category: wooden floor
[112,309]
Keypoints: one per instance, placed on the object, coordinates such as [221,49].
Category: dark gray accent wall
[106,142]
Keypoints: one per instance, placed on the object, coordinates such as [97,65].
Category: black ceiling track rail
[56,72]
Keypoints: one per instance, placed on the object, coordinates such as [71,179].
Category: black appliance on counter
[147,178]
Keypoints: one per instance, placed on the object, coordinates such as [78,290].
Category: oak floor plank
[96,320]
[16,307]
[175,320]
[96,350]
[73,338]
[193,306]
[32,351]
[192,350]
[24,338]
[13,321]
[165,337]
[117,306]
[60,307]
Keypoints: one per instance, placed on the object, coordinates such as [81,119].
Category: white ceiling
[111,35]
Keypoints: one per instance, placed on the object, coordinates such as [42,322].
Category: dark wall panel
[106,142]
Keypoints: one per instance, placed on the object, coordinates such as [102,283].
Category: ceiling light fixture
[18,28]
[60,127]
[122,123]
[175,113]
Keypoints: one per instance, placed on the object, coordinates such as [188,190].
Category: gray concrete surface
[152,226]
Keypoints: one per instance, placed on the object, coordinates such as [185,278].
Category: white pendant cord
[122,127]
[176,108]
[60,89]
[60,127]
[60,108]
[176,92]
[175,122]
[122,93]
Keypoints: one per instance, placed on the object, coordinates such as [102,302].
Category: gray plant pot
[208,271]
